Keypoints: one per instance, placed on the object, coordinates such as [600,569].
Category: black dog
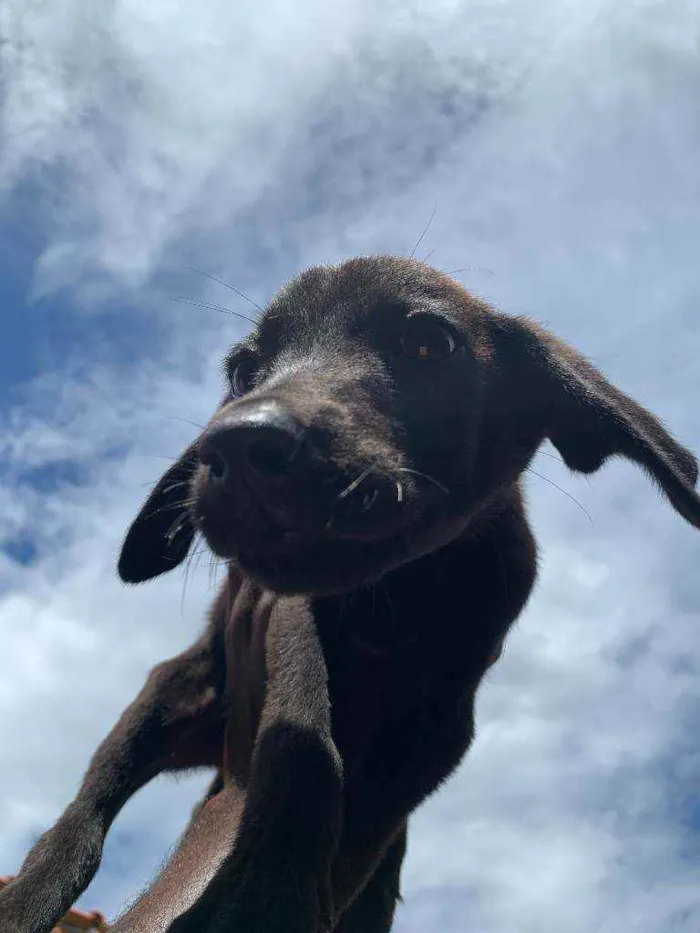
[362,479]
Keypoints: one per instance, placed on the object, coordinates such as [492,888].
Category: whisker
[428,255]
[187,568]
[210,306]
[171,506]
[195,424]
[183,482]
[176,527]
[546,453]
[233,288]
[214,562]
[356,482]
[425,230]
[431,479]
[349,490]
[567,494]
[185,466]
[470,269]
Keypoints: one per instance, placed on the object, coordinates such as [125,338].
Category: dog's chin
[291,564]
[314,567]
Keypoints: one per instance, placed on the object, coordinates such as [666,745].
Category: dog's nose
[262,440]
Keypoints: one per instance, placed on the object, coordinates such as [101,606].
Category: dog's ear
[162,532]
[585,416]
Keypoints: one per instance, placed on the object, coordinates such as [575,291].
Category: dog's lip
[280,544]
[287,543]
[274,542]
[278,541]
[272,533]
[299,555]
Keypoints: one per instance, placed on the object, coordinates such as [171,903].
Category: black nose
[262,440]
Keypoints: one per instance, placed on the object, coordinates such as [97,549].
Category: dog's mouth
[304,539]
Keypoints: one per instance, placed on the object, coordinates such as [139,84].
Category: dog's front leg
[155,733]
[277,879]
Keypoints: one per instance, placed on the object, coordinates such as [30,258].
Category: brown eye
[242,375]
[427,340]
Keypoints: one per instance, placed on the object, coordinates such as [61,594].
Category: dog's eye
[242,375]
[427,340]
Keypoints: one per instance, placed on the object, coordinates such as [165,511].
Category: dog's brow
[393,306]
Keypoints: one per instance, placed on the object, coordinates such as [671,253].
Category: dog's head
[375,410]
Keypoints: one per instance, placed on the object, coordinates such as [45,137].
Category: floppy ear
[588,419]
[162,532]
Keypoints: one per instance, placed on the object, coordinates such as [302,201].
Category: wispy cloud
[559,142]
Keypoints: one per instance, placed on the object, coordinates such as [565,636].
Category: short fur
[362,480]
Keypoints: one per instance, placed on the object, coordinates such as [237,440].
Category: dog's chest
[386,667]
[375,684]
[368,694]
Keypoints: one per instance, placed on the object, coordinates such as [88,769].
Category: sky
[556,143]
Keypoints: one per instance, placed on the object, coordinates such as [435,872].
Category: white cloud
[260,139]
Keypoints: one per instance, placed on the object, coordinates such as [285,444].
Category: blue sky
[557,144]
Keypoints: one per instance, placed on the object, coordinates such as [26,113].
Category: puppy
[361,478]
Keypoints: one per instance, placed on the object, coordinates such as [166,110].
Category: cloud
[141,128]
[559,142]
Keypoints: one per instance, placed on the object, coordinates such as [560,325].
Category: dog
[362,481]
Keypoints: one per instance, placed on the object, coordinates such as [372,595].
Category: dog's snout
[262,440]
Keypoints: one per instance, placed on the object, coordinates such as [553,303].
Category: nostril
[210,456]
[260,441]
[217,465]
[271,453]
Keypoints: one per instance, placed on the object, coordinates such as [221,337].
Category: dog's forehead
[343,297]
